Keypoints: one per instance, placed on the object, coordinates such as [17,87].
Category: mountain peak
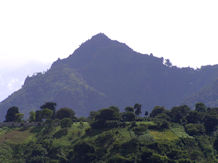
[98,40]
[100,36]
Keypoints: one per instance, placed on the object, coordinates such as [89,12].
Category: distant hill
[103,72]
[207,95]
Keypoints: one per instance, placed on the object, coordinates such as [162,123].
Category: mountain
[104,72]
[208,95]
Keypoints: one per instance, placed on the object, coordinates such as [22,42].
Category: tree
[129,109]
[215,144]
[128,116]
[157,110]
[66,122]
[194,129]
[200,107]
[11,115]
[210,122]
[179,113]
[39,116]
[92,115]
[82,152]
[108,114]
[51,106]
[146,113]
[47,113]
[19,117]
[65,113]
[195,117]
[168,63]
[138,109]
[32,117]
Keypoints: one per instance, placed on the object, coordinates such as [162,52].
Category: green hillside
[178,135]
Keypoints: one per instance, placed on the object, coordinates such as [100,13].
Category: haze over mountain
[103,72]
[12,77]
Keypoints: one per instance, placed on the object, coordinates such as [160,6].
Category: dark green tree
[39,116]
[47,113]
[179,113]
[92,115]
[210,122]
[32,117]
[82,152]
[128,116]
[146,113]
[66,123]
[195,129]
[157,110]
[215,144]
[51,106]
[195,117]
[129,109]
[200,107]
[19,117]
[138,109]
[65,113]
[108,114]
[11,115]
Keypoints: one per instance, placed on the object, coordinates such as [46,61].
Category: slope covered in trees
[103,72]
[178,135]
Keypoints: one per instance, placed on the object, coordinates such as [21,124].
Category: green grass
[166,135]
[179,131]
[148,123]
[16,136]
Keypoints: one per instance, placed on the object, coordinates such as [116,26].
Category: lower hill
[166,136]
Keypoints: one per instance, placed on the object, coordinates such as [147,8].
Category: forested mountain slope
[103,72]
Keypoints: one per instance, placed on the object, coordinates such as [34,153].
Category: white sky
[40,31]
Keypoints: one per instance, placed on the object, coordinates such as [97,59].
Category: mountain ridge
[104,72]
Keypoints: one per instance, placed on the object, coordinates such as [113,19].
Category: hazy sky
[33,34]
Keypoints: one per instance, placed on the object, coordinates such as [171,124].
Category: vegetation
[178,135]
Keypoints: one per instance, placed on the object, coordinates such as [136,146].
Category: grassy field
[179,131]
[78,130]
[16,135]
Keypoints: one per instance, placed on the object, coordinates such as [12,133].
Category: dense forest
[103,72]
[177,135]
